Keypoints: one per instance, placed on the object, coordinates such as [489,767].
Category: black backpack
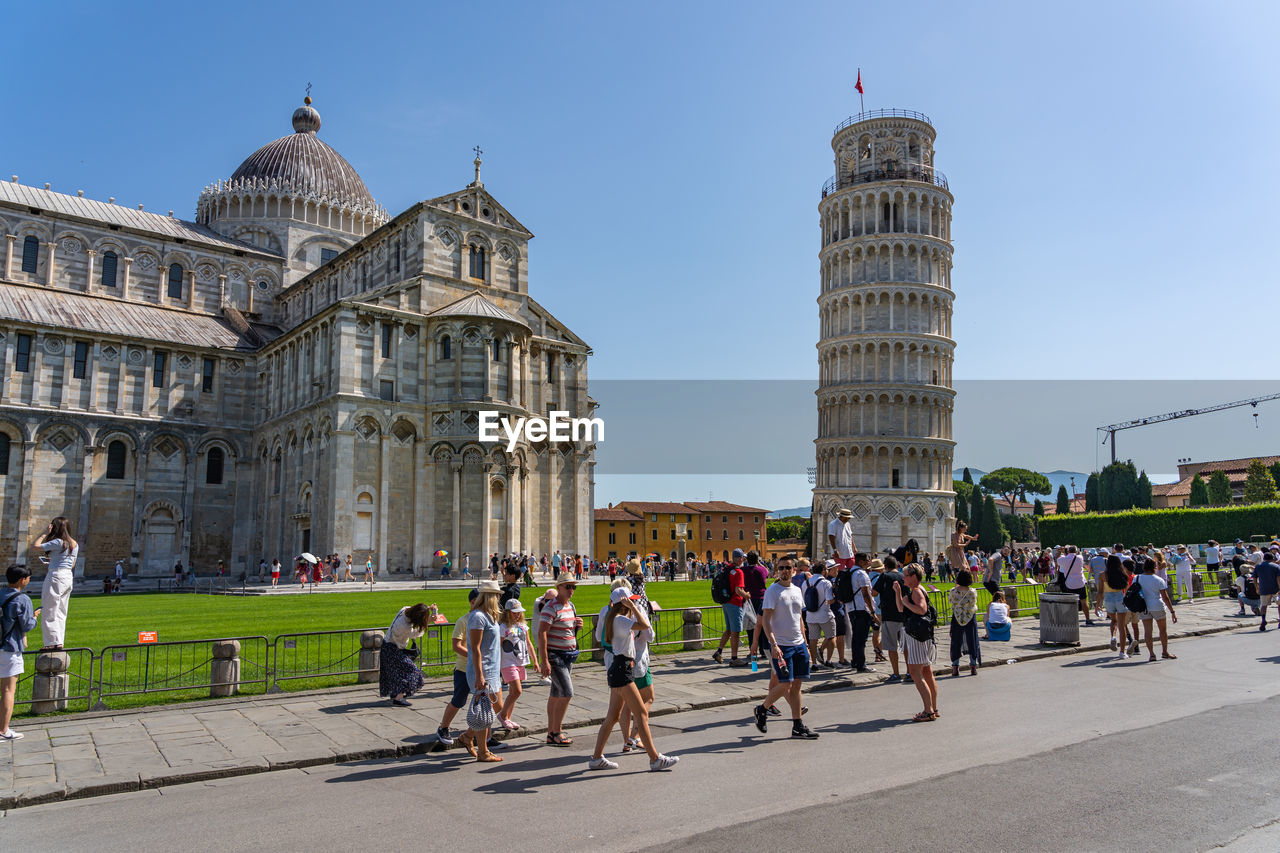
[844,587]
[1134,599]
[920,627]
[720,590]
[1251,589]
[812,598]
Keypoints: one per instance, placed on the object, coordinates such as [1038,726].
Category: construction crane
[1173,416]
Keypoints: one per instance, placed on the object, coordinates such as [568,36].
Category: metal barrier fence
[127,670]
[315,655]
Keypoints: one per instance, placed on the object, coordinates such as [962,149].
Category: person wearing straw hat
[484,657]
[840,538]
[557,647]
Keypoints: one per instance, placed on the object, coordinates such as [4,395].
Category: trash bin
[1059,618]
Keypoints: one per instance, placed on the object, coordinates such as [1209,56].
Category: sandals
[489,759]
[558,739]
[1169,656]
[510,725]
[1151,659]
[632,745]
[923,717]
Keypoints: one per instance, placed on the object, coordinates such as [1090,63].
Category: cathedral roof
[101,212]
[475,305]
[300,163]
[62,309]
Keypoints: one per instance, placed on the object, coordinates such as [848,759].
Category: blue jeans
[959,635]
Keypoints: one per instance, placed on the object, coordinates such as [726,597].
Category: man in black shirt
[891,618]
[510,583]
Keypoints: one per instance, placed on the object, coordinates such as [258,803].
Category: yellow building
[618,533]
[660,521]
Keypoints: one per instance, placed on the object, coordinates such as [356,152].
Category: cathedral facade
[294,370]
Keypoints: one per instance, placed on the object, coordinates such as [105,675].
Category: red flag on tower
[858,85]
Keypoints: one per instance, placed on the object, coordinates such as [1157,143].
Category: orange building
[725,526]
[660,521]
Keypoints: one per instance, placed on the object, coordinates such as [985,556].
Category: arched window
[30,254]
[117,455]
[497,349]
[477,262]
[446,348]
[109,262]
[4,453]
[175,281]
[213,466]
[276,469]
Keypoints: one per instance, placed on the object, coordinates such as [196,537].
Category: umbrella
[655,555]
[309,557]
[442,553]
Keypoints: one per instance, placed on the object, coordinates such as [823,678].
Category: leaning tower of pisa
[885,352]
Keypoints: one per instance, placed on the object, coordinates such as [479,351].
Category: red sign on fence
[148,637]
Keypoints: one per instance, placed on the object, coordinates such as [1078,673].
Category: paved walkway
[90,754]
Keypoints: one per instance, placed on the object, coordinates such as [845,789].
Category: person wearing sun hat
[558,625]
[840,538]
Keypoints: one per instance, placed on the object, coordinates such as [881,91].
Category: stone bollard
[1197,585]
[49,687]
[692,630]
[597,651]
[1011,599]
[224,672]
[370,645]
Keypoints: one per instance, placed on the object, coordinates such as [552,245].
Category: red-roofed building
[726,526]
[618,533]
[1179,494]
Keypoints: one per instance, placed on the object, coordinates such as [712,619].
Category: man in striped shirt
[558,625]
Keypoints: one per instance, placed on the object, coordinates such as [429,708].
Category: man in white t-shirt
[1182,566]
[783,625]
[840,538]
[821,623]
[1071,564]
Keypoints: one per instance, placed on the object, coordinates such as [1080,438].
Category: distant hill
[802,511]
[1056,479]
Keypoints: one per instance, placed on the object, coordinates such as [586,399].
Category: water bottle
[755,666]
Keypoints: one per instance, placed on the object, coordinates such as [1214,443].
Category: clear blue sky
[1112,162]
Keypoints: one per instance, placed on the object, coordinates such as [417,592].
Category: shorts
[732,617]
[561,675]
[1114,602]
[846,564]
[1083,592]
[10,664]
[891,634]
[621,671]
[818,630]
[1152,614]
[512,673]
[275,575]
[461,690]
[1265,601]
[645,680]
[842,623]
[794,663]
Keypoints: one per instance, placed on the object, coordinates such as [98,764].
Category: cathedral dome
[301,164]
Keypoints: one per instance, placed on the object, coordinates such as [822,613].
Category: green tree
[1275,473]
[1219,492]
[1064,502]
[1118,486]
[991,534]
[1259,487]
[1200,492]
[975,511]
[1144,491]
[1092,503]
[1013,484]
[1038,509]
[964,492]
[967,478]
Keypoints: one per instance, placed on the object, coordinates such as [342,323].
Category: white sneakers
[663,762]
[12,735]
[602,763]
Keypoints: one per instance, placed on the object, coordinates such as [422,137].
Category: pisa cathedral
[294,370]
[885,352]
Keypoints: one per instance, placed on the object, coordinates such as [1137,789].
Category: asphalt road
[1065,754]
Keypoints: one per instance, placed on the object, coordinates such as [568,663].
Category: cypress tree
[975,512]
[968,478]
[1038,509]
[1064,502]
[1144,491]
[1092,503]
[991,534]
[1199,491]
[1219,493]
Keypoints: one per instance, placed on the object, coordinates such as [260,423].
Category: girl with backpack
[920,652]
[1115,580]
